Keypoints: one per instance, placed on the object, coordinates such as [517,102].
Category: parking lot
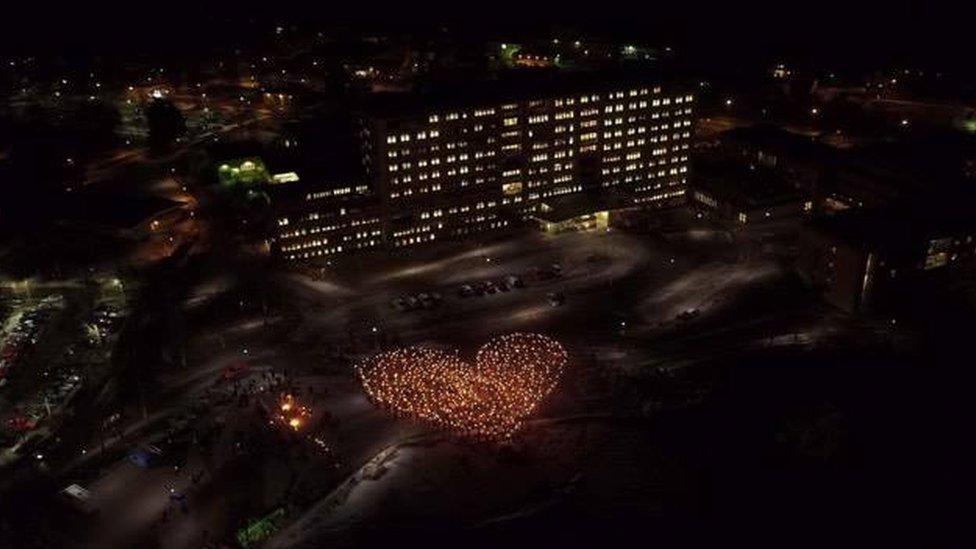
[55,341]
[630,309]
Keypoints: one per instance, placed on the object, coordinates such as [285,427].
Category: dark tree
[95,123]
[166,122]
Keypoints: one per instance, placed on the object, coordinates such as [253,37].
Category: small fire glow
[292,413]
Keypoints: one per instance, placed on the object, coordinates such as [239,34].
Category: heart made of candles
[489,398]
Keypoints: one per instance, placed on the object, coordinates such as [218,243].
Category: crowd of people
[489,399]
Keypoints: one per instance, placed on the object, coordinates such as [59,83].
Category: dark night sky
[929,33]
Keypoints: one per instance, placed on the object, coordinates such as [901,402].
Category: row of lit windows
[557,129]
[315,229]
[659,197]
[405,137]
[337,192]
[323,251]
[560,102]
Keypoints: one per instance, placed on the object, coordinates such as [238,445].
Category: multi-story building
[343,218]
[489,160]
[863,259]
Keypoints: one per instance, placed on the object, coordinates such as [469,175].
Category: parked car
[79,499]
[556,298]
[688,314]
[146,456]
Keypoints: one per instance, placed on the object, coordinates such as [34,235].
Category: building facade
[341,219]
[860,260]
[447,171]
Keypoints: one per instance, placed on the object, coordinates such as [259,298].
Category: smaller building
[744,193]
[331,219]
[861,259]
[243,172]
[572,213]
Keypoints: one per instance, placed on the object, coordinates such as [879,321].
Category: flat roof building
[466,160]
[744,193]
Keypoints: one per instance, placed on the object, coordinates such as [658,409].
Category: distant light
[728,102]
[904,121]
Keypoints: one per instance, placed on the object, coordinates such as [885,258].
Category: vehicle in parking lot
[556,298]
[236,371]
[146,456]
[79,499]
[422,300]
[688,314]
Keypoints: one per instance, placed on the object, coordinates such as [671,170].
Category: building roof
[503,86]
[562,208]
[776,139]
[904,226]
[742,186]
